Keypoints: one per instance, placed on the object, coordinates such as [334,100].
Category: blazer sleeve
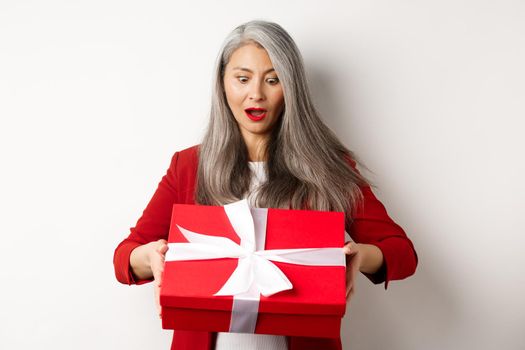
[372,225]
[151,226]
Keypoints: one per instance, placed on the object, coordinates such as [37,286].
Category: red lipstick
[260,113]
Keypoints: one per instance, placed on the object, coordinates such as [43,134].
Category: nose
[256,92]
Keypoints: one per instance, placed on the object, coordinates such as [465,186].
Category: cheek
[233,95]
[278,100]
[227,90]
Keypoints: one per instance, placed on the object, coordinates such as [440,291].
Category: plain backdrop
[96,96]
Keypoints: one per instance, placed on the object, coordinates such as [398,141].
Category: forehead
[250,57]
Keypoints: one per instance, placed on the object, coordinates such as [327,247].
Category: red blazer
[371,225]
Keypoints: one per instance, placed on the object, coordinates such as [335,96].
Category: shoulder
[188,156]
[185,162]
[183,170]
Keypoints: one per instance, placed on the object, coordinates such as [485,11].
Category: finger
[350,282]
[350,294]
[349,243]
[157,301]
[350,248]
[348,289]
[157,268]
[162,249]
[157,262]
[157,274]
[161,243]
[353,274]
[352,290]
[156,288]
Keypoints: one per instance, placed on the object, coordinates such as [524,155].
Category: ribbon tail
[269,279]
[240,280]
[245,311]
[217,241]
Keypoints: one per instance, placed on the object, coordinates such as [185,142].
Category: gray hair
[307,166]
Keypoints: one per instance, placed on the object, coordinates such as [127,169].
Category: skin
[250,81]
[366,258]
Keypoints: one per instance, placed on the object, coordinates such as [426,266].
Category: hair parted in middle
[307,166]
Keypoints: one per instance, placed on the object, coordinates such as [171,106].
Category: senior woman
[266,142]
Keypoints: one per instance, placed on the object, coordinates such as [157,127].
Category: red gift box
[315,304]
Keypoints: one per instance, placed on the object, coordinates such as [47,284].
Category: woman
[266,141]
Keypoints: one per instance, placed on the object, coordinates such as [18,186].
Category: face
[253,91]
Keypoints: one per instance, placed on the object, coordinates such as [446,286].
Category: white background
[96,96]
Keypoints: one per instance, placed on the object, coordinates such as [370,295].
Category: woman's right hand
[147,261]
[156,258]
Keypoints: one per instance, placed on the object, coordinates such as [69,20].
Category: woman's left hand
[354,257]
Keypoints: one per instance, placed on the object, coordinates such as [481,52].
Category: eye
[273,81]
[242,79]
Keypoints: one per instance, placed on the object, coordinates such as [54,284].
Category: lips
[255,113]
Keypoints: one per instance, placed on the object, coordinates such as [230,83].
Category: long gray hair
[307,166]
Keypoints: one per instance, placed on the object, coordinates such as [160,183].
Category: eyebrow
[249,70]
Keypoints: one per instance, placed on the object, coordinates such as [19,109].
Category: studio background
[95,97]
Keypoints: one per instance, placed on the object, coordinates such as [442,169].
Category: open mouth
[255,114]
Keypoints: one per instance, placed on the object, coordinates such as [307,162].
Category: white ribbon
[255,273]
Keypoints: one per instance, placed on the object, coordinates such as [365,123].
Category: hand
[354,257]
[156,258]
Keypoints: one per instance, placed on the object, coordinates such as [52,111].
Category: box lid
[316,289]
